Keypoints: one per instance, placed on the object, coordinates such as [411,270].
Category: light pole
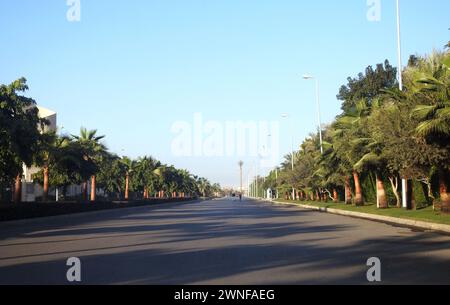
[399,49]
[400,87]
[308,77]
[286,116]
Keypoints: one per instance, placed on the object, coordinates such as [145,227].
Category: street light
[309,77]
[399,49]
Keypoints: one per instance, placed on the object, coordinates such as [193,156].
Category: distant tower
[241,164]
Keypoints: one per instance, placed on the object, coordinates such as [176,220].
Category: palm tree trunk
[335,196]
[146,193]
[84,190]
[348,192]
[127,190]
[45,194]
[359,201]
[18,189]
[381,193]
[93,189]
[444,191]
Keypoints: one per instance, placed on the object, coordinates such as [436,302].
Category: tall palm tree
[351,135]
[93,151]
[130,168]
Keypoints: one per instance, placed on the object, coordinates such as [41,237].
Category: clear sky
[131,68]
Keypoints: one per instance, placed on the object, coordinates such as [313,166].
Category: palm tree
[130,167]
[188,183]
[93,151]
[330,169]
[146,174]
[111,176]
[52,153]
[203,185]
[350,133]
[434,114]
[374,161]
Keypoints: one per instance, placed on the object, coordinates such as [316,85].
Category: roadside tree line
[80,160]
[383,135]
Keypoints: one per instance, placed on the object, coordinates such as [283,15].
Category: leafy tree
[19,133]
[367,85]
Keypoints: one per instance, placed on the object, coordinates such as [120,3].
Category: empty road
[219,242]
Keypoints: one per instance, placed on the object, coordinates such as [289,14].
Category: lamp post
[309,77]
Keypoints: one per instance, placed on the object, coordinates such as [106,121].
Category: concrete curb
[387,219]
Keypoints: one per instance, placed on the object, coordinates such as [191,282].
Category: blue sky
[132,68]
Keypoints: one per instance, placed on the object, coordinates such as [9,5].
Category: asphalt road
[219,242]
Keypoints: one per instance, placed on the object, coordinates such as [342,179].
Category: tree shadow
[215,244]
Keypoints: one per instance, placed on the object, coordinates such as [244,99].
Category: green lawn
[426,214]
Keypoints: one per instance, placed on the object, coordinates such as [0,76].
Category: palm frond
[434,126]
[368,160]
[444,114]
[424,112]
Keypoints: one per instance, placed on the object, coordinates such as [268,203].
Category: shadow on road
[224,244]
